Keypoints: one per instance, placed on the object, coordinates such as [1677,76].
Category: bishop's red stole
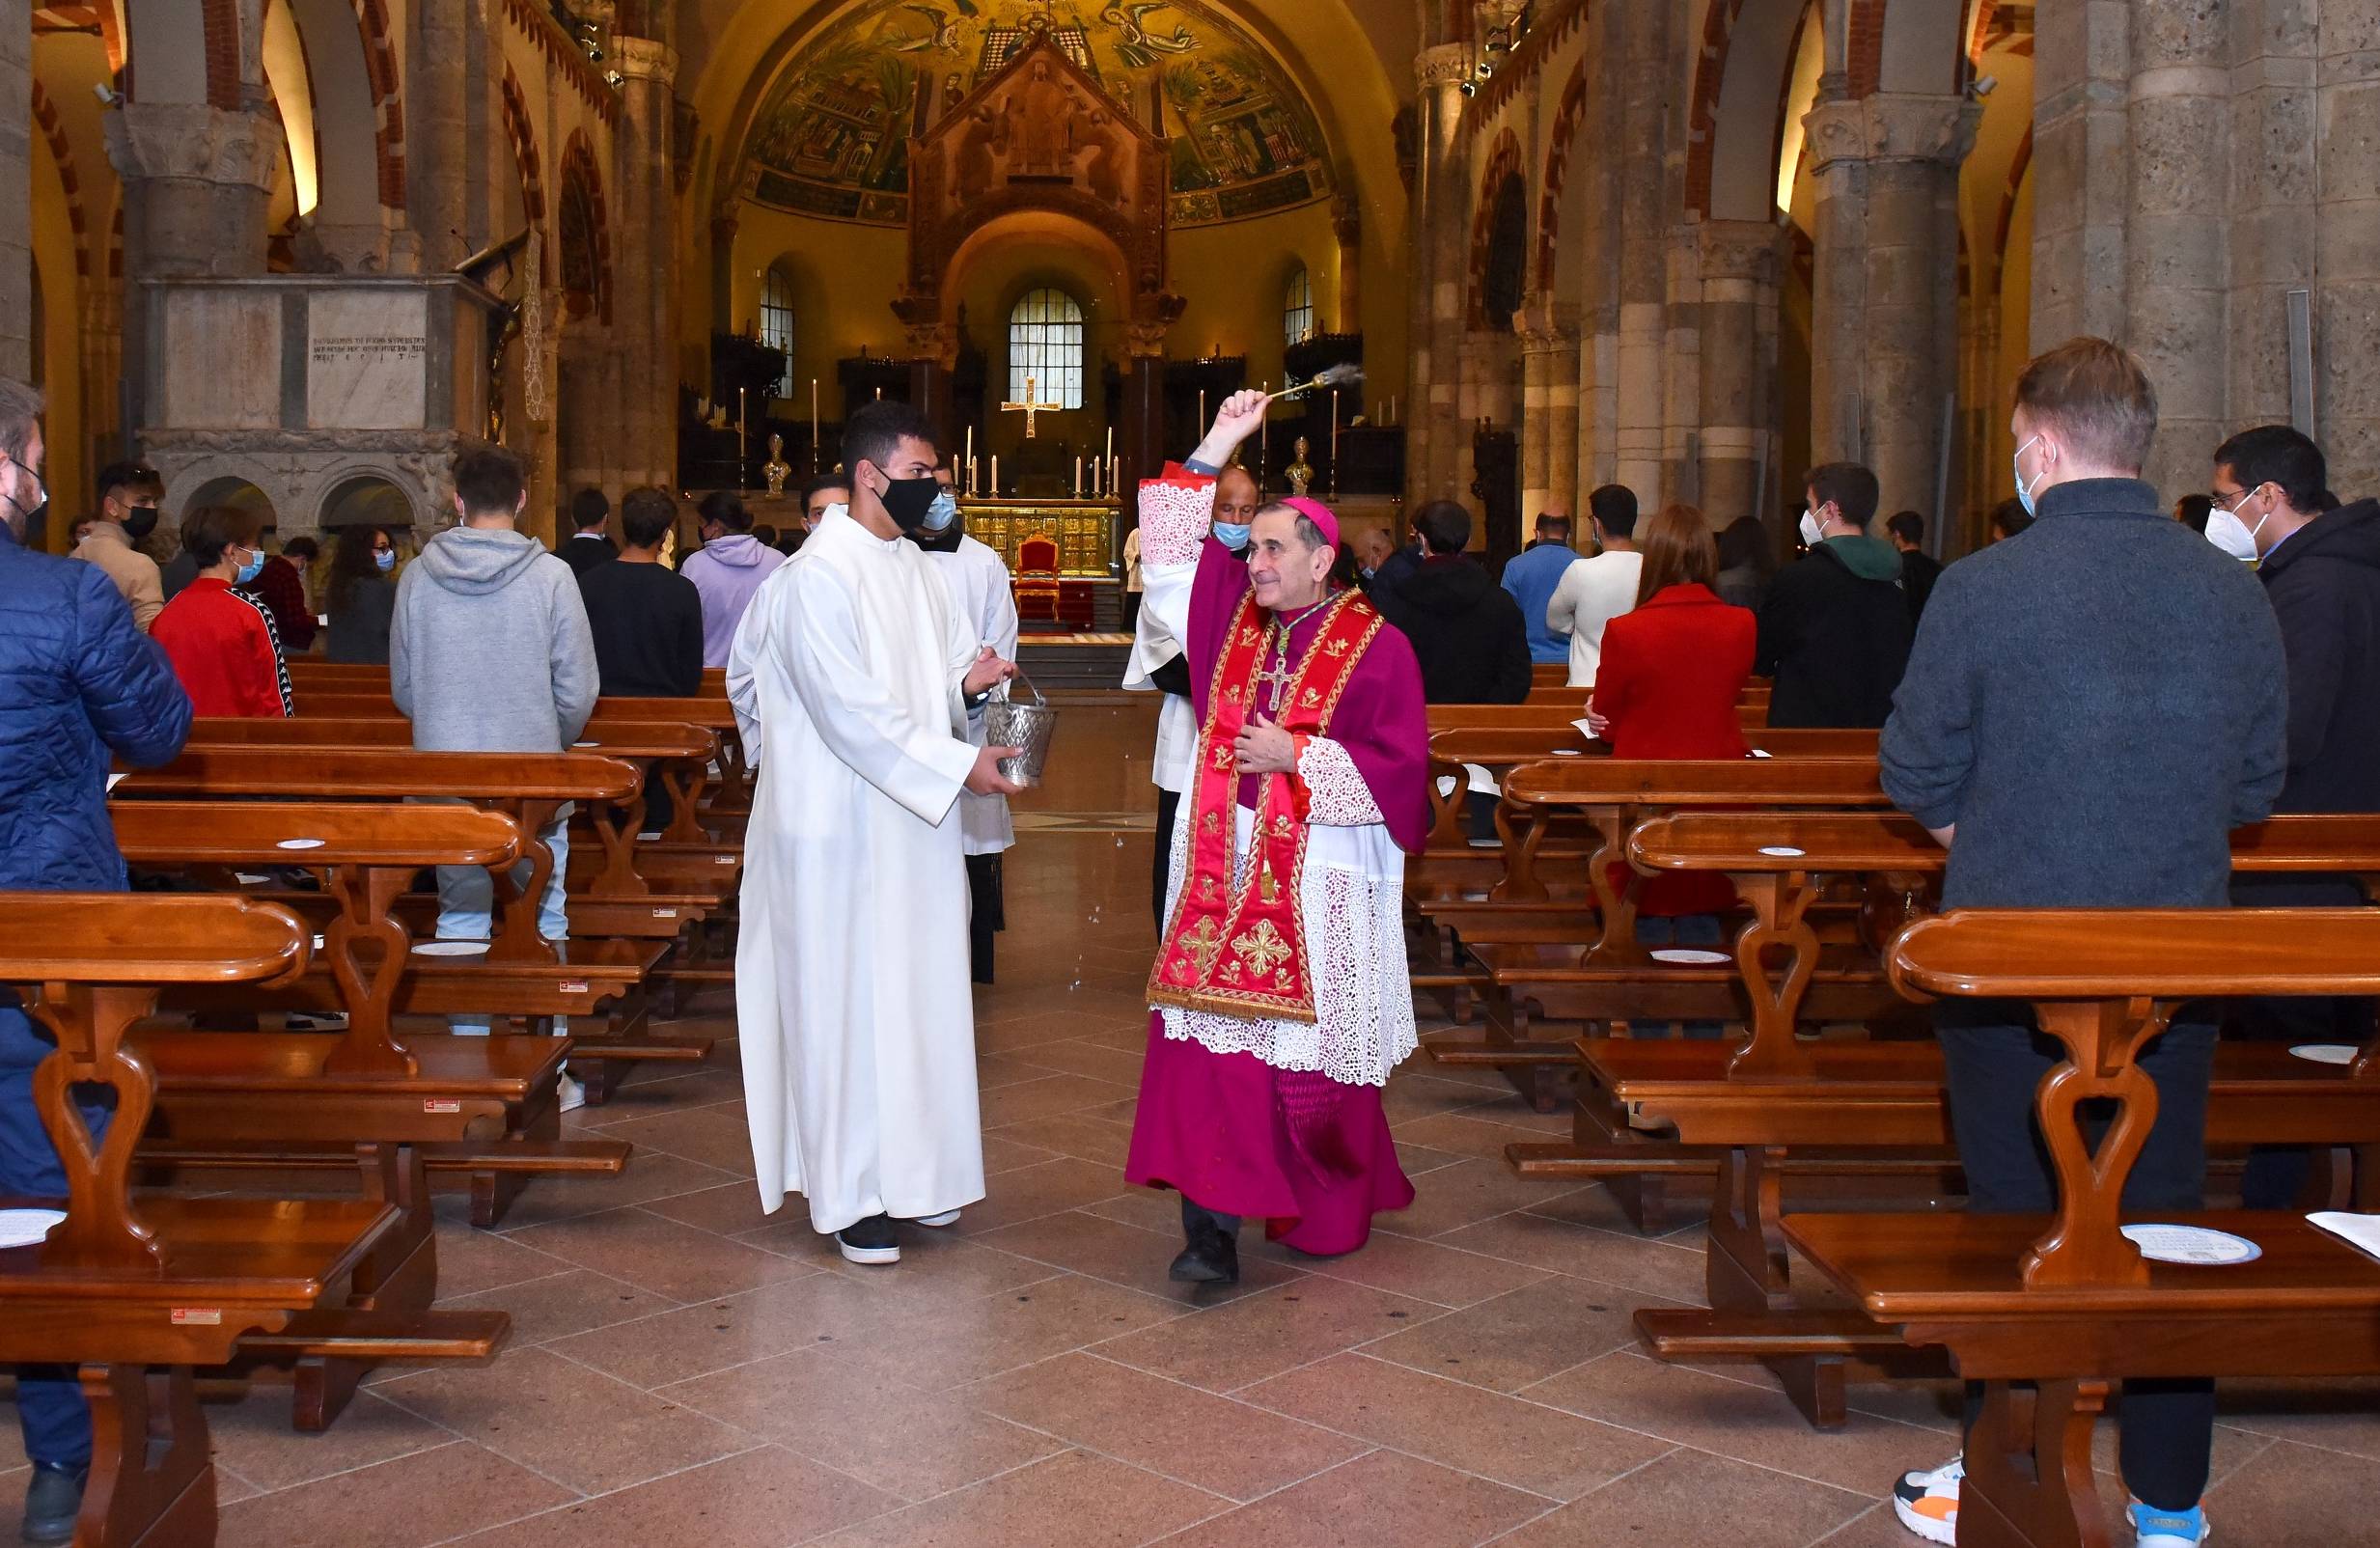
[1240,949]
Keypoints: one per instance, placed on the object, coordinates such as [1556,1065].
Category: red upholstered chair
[1036,578]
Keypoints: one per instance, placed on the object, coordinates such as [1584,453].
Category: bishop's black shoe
[1212,1253]
[54,1499]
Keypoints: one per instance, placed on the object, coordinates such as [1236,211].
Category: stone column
[2345,222]
[643,261]
[2179,117]
[1348,226]
[1446,209]
[1549,409]
[16,191]
[2277,169]
[1884,343]
[1739,269]
[2081,169]
[438,131]
[1645,87]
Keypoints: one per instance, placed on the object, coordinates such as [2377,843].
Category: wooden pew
[519,973]
[138,1293]
[2049,1313]
[1780,1102]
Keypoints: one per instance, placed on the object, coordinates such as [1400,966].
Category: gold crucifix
[1031,406]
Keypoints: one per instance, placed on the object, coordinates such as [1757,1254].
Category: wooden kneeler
[2049,1314]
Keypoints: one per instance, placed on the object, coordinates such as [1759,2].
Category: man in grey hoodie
[490,653]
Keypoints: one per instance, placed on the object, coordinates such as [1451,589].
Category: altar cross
[1030,407]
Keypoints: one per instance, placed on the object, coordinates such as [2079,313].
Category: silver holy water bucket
[1008,722]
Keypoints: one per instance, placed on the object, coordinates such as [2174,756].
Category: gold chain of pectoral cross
[1275,674]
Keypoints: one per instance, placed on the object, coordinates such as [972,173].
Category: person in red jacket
[1670,675]
[222,642]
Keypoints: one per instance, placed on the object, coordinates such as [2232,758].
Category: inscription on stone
[367,352]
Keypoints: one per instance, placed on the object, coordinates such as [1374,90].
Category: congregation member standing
[280,584]
[78,685]
[727,570]
[129,496]
[224,642]
[1746,562]
[1834,627]
[2101,765]
[1532,575]
[2009,518]
[1279,1001]
[1157,664]
[986,600]
[647,620]
[1919,569]
[1467,632]
[1599,587]
[2320,568]
[590,543]
[360,597]
[823,493]
[490,653]
[852,678]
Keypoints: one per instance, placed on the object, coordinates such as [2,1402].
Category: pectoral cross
[1031,406]
[1272,677]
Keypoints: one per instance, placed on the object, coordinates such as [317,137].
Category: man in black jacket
[1919,569]
[2320,566]
[1834,627]
[590,544]
[1466,630]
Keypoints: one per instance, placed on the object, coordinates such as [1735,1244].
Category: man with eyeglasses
[77,683]
[129,496]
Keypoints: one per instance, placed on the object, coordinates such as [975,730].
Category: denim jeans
[49,1399]
[467,902]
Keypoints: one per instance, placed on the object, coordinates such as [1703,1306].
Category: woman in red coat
[222,642]
[1672,673]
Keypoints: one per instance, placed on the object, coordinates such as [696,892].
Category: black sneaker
[54,1499]
[871,1241]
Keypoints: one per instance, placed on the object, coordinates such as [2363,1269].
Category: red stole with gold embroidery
[1241,950]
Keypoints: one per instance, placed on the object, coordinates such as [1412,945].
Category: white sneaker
[571,1094]
[1927,1503]
[948,1217]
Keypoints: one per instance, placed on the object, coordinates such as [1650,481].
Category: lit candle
[743,430]
[1334,438]
[970,445]
[1078,477]
[995,483]
[1111,443]
[879,394]
[1202,424]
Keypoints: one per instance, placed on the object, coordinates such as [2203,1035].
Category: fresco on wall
[834,138]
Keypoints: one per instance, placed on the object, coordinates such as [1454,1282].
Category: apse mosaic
[834,138]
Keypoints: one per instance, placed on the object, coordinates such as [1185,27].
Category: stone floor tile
[253,1438]
[560,1305]
[1131,1256]
[1426,1271]
[1522,1336]
[1264,1335]
[1379,1499]
[764,1498]
[1689,1496]
[682,1262]
[428,1497]
[1029,1193]
[1073,1500]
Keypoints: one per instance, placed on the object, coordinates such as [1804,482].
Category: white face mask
[2234,537]
[1813,533]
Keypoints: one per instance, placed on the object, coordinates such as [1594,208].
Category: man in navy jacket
[77,683]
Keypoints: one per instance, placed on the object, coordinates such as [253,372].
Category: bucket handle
[1002,691]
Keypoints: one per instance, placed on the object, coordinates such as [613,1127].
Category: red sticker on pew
[196,1316]
[441,1104]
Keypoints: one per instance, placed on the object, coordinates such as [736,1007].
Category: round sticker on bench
[1782,851]
[2191,1244]
[450,948]
[25,1228]
[2327,1053]
[1690,957]
[299,844]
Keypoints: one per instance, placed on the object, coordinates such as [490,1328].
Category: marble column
[643,261]
[2179,114]
[1645,85]
[2345,224]
[2081,169]
[1884,345]
[437,107]
[1549,409]
[1446,211]
[16,191]
[1739,268]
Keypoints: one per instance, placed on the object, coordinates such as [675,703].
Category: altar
[1061,555]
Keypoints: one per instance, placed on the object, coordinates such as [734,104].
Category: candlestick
[814,427]
[743,436]
[1078,477]
[1202,423]
[1334,441]
[995,483]
[879,394]
[970,445]
[1111,443]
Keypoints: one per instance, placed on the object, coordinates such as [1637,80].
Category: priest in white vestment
[1280,999]
[985,597]
[852,678]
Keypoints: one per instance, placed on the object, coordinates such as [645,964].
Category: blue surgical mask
[2023,490]
[386,559]
[1232,535]
[250,570]
[943,511]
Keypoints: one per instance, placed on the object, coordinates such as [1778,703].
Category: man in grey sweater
[2087,715]
[491,653]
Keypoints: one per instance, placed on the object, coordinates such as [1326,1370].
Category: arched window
[777,321]
[1045,344]
[1508,254]
[1297,307]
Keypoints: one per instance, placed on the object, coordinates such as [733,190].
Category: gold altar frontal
[1084,531]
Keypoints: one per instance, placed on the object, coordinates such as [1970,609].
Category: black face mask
[910,501]
[140,521]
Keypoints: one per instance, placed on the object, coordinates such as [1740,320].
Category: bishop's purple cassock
[1280,1008]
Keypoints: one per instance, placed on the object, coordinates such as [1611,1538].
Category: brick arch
[387,101]
[220,22]
[1710,75]
[1566,119]
[1864,47]
[1502,161]
[582,179]
[53,131]
[522,131]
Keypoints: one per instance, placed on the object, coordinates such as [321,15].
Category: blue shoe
[2153,1528]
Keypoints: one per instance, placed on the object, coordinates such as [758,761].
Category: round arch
[1738,107]
[231,489]
[347,133]
[1495,190]
[366,499]
[583,232]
